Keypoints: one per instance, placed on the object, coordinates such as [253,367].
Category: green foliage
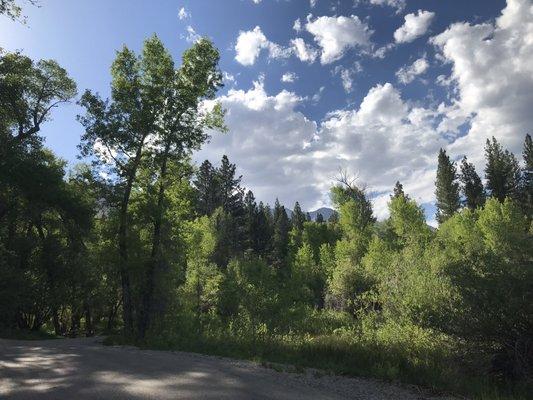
[502,171]
[446,188]
[472,187]
[193,263]
[488,253]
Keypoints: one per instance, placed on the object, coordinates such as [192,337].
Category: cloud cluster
[398,4]
[492,68]
[386,138]
[415,25]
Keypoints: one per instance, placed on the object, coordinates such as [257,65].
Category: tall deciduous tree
[447,188]
[151,104]
[472,187]
[180,129]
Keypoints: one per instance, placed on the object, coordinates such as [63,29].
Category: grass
[401,354]
[17,334]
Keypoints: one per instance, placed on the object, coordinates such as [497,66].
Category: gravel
[85,369]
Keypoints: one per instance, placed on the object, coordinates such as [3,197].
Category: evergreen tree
[398,190]
[319,218]
[207,188]
[527,177]
[502,171]
[447,188]
[472,187]
[334,217]
[231,193]
[280,238]
[298,217]
[251,219]
[264,229]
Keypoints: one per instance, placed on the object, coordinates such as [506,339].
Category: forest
[138,243]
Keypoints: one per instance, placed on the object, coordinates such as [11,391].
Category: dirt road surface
[80,369]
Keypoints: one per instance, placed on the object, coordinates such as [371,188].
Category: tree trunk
[155,257]
[127,307]
[89,331]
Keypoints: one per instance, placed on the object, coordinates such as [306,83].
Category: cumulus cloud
[250,43]
[408,73]
[492,68]
[415,25]
[289,77]
[284,154]
[294,158]
[303,51]
[266,140]
[335,35]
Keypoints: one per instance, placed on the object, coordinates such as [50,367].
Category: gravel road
[81,369]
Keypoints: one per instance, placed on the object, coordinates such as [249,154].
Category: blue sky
[383,84]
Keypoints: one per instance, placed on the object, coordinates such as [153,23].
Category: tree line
[138,240]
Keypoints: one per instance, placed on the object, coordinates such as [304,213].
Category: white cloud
[312,3]
[183,14]
[297,25]
[191,36]
[266,139]
[289,77]
[398,4]
[256,1]
[383,140]
[492,69]
[347,75]
[408,73]
[250,43]
[229,78]
[303,51]
[415,25]
[281,153]
[335,35]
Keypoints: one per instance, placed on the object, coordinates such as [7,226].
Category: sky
[373,87]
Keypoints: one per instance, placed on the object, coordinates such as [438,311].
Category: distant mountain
[325,211]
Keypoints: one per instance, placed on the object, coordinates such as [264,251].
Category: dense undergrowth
[399,353]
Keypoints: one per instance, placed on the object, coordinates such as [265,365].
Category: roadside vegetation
[140,244]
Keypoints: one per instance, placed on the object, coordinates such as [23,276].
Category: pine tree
[207,188]
[280,238]
[472,187]
[447,188]
[319,218]
[251,219]
[231,193]
[502,172]
[264,230]
[298,217]
[398,191]
[527,177]
[334,217]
